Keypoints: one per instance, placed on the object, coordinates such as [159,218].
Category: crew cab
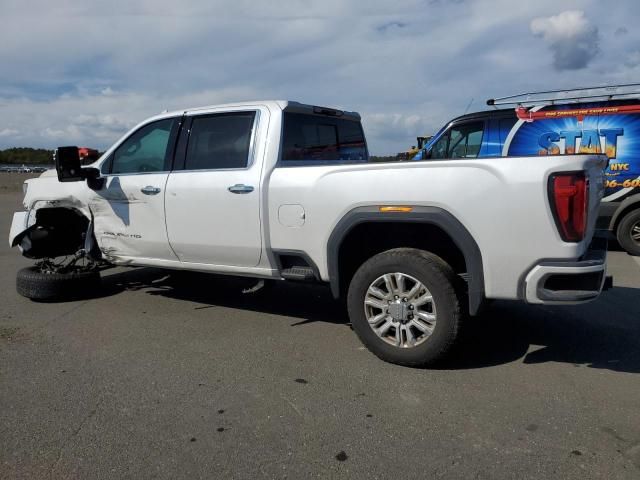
[278,190]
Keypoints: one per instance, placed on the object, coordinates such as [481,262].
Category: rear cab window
[309,139]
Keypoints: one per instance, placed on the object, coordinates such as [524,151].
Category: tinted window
[439,149]
[309,138]
[220,141]
[145,150]
[465,140]
[461,141]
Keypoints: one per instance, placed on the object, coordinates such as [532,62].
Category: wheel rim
[635,232]
[400,310]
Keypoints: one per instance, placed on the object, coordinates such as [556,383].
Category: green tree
[27,156]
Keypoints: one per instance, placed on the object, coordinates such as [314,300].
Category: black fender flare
[430,215]
[624,204]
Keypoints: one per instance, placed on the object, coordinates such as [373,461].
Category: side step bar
[300,274]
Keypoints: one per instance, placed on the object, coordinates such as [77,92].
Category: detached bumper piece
[567,282]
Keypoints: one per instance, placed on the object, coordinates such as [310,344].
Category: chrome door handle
[149,190]
[239,188]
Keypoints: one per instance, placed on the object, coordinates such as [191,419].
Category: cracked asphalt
[182,376]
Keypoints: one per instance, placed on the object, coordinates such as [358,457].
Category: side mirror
[426,154]
[68,164]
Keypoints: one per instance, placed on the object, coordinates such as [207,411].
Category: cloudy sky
[84,72]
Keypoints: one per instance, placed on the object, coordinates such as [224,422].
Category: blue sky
[84,72]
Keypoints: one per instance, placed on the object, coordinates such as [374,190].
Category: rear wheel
[40,284]
[406,306]
[628,232]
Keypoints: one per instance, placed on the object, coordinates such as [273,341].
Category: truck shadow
[303,302]
[602,334]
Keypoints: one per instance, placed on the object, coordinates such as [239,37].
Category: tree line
[40,156]
[27,156]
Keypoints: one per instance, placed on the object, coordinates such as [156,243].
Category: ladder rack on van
[575,95]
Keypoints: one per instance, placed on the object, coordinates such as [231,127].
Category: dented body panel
[18,226]
[128,223]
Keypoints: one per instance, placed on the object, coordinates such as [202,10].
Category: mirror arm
[92,176]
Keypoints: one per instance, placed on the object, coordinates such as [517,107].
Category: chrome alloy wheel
[635,233]
[400,310]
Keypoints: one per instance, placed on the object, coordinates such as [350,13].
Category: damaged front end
[61,238]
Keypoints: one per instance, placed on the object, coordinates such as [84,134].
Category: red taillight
[569,197]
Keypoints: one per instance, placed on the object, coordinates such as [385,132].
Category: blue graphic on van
[617,136]
[612,128]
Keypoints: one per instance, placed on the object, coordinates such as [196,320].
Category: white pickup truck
[284,191]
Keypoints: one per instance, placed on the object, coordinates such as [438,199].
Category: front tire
[36,284]
[628,232]
[407,306]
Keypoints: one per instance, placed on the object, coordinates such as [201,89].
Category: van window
[466,140]
[439,149]
[461,141]
[315,138]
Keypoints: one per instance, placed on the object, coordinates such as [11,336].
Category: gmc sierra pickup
[284,191]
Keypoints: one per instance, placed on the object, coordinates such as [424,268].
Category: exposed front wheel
[406,306]
[628,232]
[41,284]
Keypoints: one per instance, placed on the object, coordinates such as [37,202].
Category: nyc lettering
[618,167]
[589,141]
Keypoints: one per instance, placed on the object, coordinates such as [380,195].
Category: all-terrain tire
[32,283]
[628,228]
[446,288]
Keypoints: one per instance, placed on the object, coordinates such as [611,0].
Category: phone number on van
[625,184]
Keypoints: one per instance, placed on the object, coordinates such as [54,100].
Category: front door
[129,217]
[213,195]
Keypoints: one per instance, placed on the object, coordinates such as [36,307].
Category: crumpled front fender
[18,228]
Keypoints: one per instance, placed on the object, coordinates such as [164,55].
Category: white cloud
[633,59]
[84,72]
[573,40]
[9,132]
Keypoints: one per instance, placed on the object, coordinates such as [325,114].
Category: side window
[317,138]
[145,150]
[220,141]
[466,140]
[439,149]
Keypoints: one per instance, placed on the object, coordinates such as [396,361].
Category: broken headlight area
[54,232]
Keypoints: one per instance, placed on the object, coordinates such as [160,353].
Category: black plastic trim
[297,253]
[594,280]
[430,215]
[596,254]
[606,212]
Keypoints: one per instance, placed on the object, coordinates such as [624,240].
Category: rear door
[213,194]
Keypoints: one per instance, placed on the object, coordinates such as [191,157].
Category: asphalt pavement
[183,376]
